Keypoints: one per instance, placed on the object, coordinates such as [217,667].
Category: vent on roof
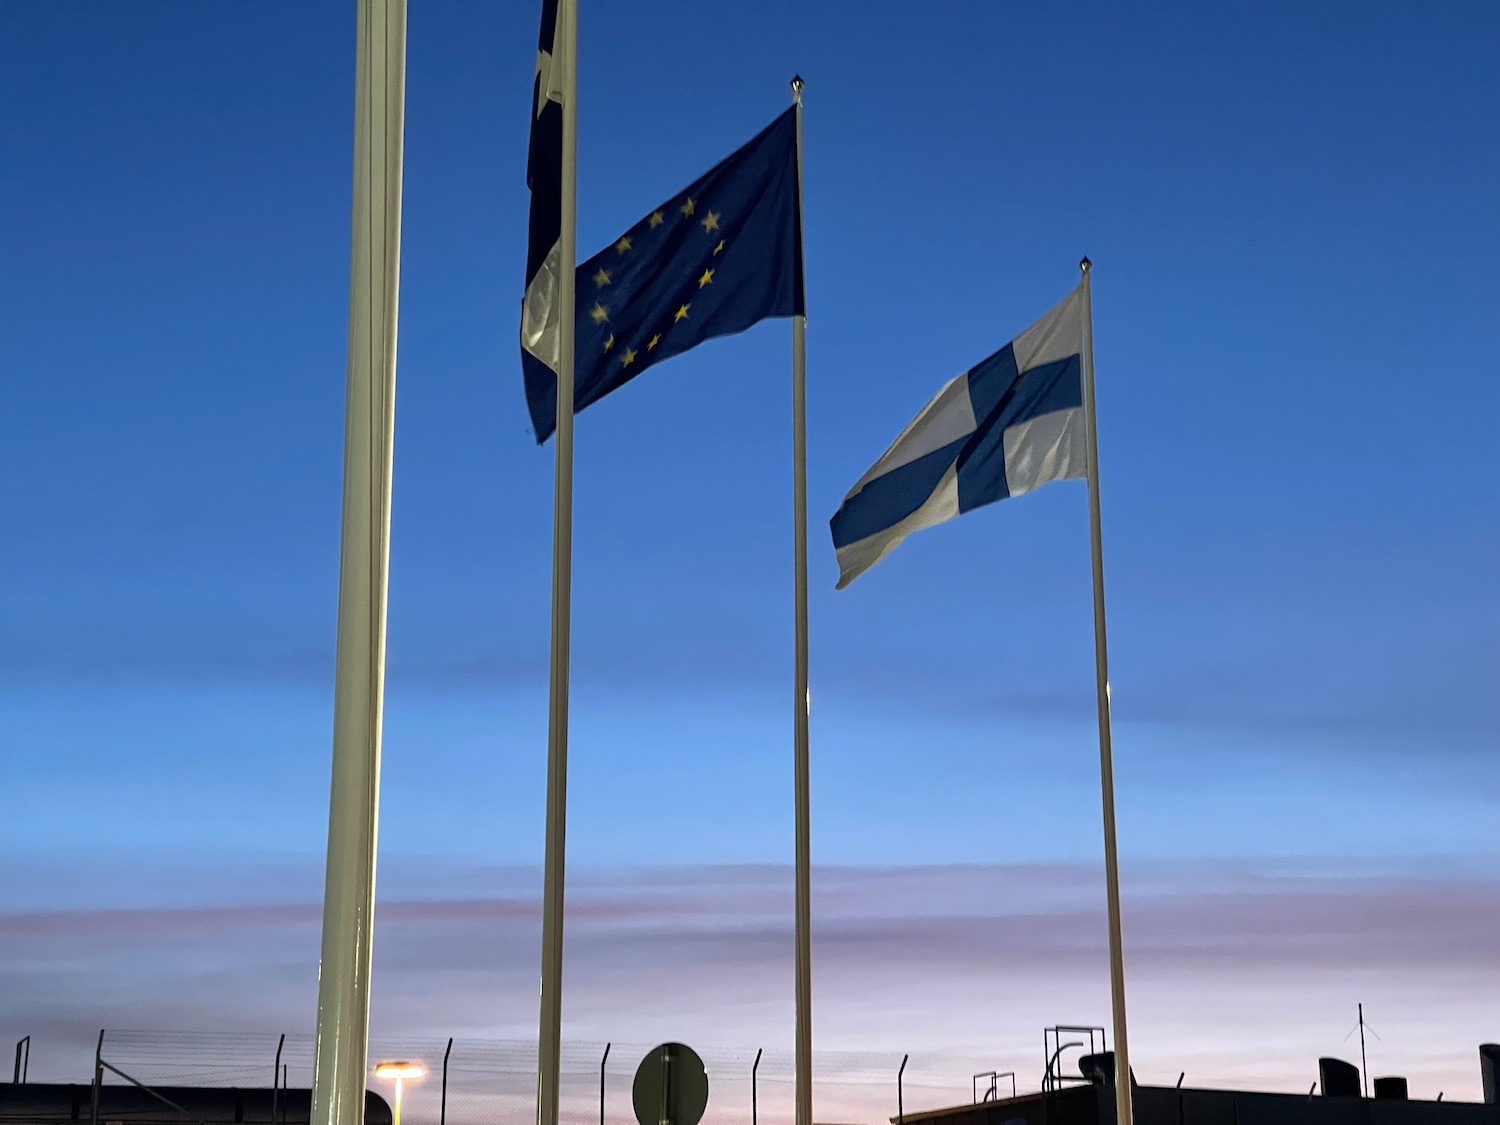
[1489,1071]
[1098,1068]
[1338,1079]
[1391,1089]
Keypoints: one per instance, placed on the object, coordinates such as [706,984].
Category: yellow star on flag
[610,342]
[681,314]
[706,279]
[624,244]
[687,208]
[628,358]
[719,247]
[602,278]
[712,222]
[599,313]
[652,344]
[655,220]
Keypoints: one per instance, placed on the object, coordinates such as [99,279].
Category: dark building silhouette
[1088,1098]
[39,1103]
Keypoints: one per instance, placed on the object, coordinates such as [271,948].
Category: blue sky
[1290,209]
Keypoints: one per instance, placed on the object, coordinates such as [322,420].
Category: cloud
[1239,975]
[1250,665]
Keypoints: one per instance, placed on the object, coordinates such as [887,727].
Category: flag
[1007,425]
[539,311]
[721,255]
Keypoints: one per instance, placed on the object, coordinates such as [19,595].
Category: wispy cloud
[1238,974]
[1224,665]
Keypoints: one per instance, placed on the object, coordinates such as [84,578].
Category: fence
[493,1082]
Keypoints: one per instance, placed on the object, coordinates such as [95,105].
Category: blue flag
[721,255]
[539,311]
[1005,426]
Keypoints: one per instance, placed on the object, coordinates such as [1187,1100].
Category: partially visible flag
[1002,428]
[539,311]
[716,258]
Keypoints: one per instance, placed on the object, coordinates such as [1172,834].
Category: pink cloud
[1239,977]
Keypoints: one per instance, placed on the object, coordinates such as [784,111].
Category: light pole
[399,1072]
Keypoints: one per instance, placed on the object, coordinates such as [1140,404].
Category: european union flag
[719,256]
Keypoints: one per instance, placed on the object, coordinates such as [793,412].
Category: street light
[400,1072]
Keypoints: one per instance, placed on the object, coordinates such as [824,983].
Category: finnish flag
[1005,426]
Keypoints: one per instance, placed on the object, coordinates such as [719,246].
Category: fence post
[443,1108]
[276,1078]
[900,1093]
[754,1098]
[98,1079]
[602,1061]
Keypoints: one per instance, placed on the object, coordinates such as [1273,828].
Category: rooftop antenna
[1361,1027]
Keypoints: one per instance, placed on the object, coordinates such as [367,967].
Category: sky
[1290,210]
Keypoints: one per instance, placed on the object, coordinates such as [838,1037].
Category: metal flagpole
[549,1049]
[801,701]
[1124,1109]
[353,814]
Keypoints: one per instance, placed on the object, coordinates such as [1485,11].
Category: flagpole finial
[797,85]
[1085,265]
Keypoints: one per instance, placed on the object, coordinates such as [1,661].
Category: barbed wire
[492,1081]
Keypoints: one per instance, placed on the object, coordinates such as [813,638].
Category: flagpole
[549,1045]
[1124,1108]
[801,701]
[341,1044]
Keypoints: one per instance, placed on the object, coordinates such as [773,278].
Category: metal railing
[992,1094]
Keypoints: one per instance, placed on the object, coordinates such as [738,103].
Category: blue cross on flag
[1005,426]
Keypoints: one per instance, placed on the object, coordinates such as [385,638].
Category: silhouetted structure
[1336,1100]
[38,1103]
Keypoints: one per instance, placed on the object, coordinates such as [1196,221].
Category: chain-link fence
[493,1082]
